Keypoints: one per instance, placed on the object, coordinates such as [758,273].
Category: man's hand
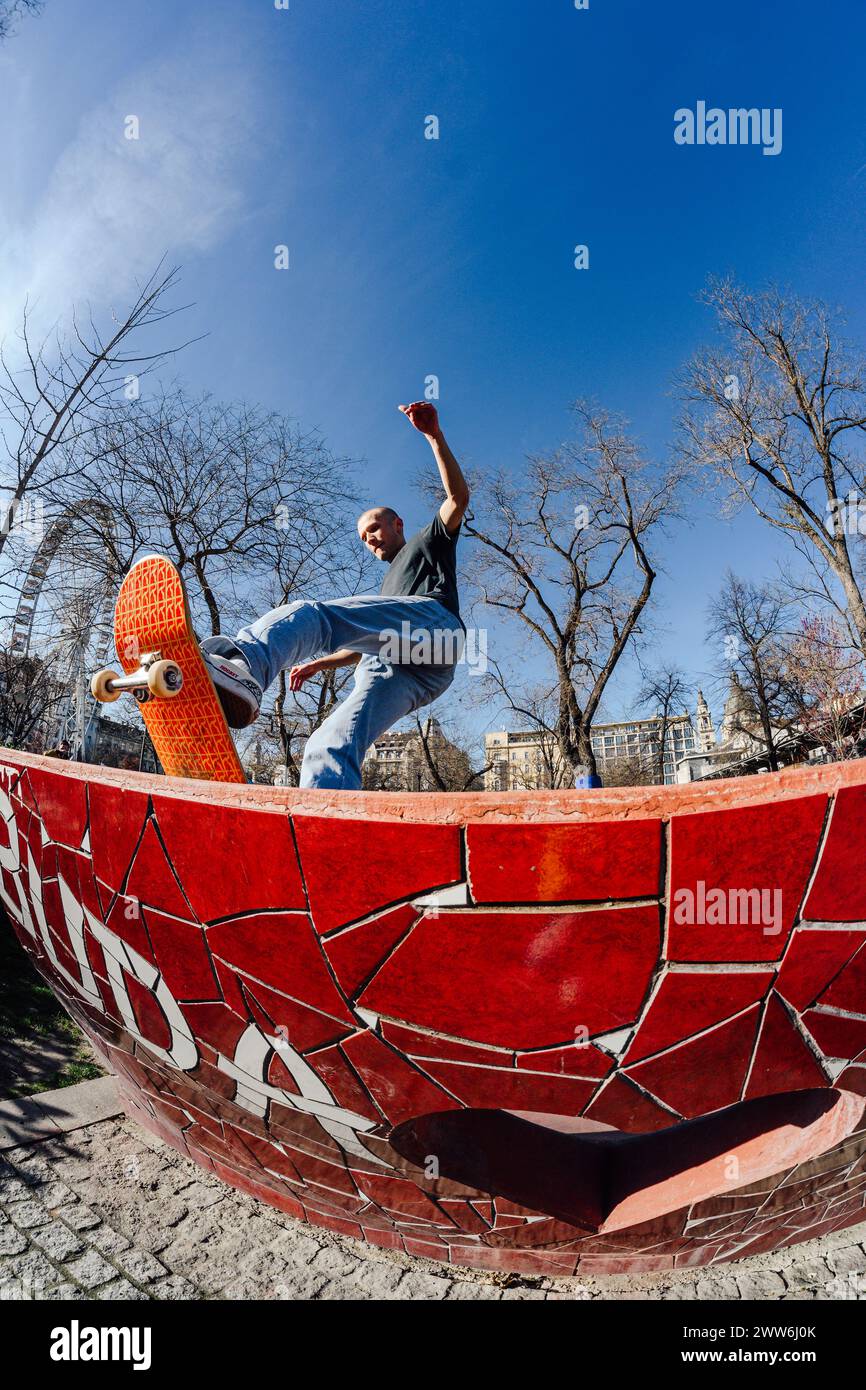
[299,674]
[423,416]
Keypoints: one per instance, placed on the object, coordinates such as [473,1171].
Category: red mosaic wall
[560,1033]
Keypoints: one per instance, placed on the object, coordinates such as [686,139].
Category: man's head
[381,531]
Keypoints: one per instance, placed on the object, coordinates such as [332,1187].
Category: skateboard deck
[189,730]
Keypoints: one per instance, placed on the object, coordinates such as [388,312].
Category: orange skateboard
[165,672]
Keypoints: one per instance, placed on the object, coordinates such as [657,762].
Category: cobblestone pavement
[110,1212]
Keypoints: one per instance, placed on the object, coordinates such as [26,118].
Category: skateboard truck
[154,678]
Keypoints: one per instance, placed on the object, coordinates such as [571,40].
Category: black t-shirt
[426,565]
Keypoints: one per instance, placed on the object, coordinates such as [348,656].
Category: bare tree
[55,397]
[828,680]
[777,414]
[446,761]
[567,552]
[12,10]
[30,698]
[252,510]
[664,692]
[750,626]
[536,707]
[629,771]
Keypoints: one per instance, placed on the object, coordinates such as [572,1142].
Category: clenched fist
[423,416]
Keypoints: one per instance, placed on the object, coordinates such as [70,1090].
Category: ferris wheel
[65,607]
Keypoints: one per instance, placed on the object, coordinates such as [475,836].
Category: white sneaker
[239,693]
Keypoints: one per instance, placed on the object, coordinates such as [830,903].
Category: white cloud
[111,207]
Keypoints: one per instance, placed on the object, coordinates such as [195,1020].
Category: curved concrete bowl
[559,1033]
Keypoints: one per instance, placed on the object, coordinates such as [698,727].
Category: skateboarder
[404,642]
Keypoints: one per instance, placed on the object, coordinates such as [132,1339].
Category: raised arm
[425,418]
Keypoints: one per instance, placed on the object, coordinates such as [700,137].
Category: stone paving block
[64,1293]
[296,1284]
[12,1241]
[334,1262]
[32,1270]
[676,1293]
[811,1273]
[140,1266]
[12,1189]
[417,1284]
[463,1291]
[91,1270]
[717,1286]
[57,1241]
[29,1214]
[79,1216]
[121,1289]
[174,1287]
[762,1283]
[850,1259]
[33,1169]
[109,1241]
[56,1194]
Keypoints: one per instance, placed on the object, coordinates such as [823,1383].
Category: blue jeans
[398,672]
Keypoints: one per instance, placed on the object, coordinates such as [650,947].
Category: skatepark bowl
[556,1033]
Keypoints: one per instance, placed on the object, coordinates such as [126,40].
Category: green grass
[29,1011]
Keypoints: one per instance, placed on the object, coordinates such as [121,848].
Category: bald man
[403,642]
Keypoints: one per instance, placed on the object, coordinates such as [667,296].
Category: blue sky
[453,257]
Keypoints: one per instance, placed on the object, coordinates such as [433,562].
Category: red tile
[418,1044]
[564,863]
[626,1108]
[739,850]
[230,985]
[231,861]
[23,792]
[357,953]
[836,1036]
[399,1197]
[520,980]
[332,1066]
[502,1088]
[152,881]
[126,920]
[116,823]
[400,1092]
[576,1060]
[148,1015]
[353,868]
[838,895]
[279,1075]
[182,956]
[62,803]
[704,1074]
[87,891]
[280,949]
[811,961]
[848,990]
[215,1024]
[688,1003]
[304,1027]
[783,1062]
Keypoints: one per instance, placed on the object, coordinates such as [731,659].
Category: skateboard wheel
[99,687]
[165,679]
